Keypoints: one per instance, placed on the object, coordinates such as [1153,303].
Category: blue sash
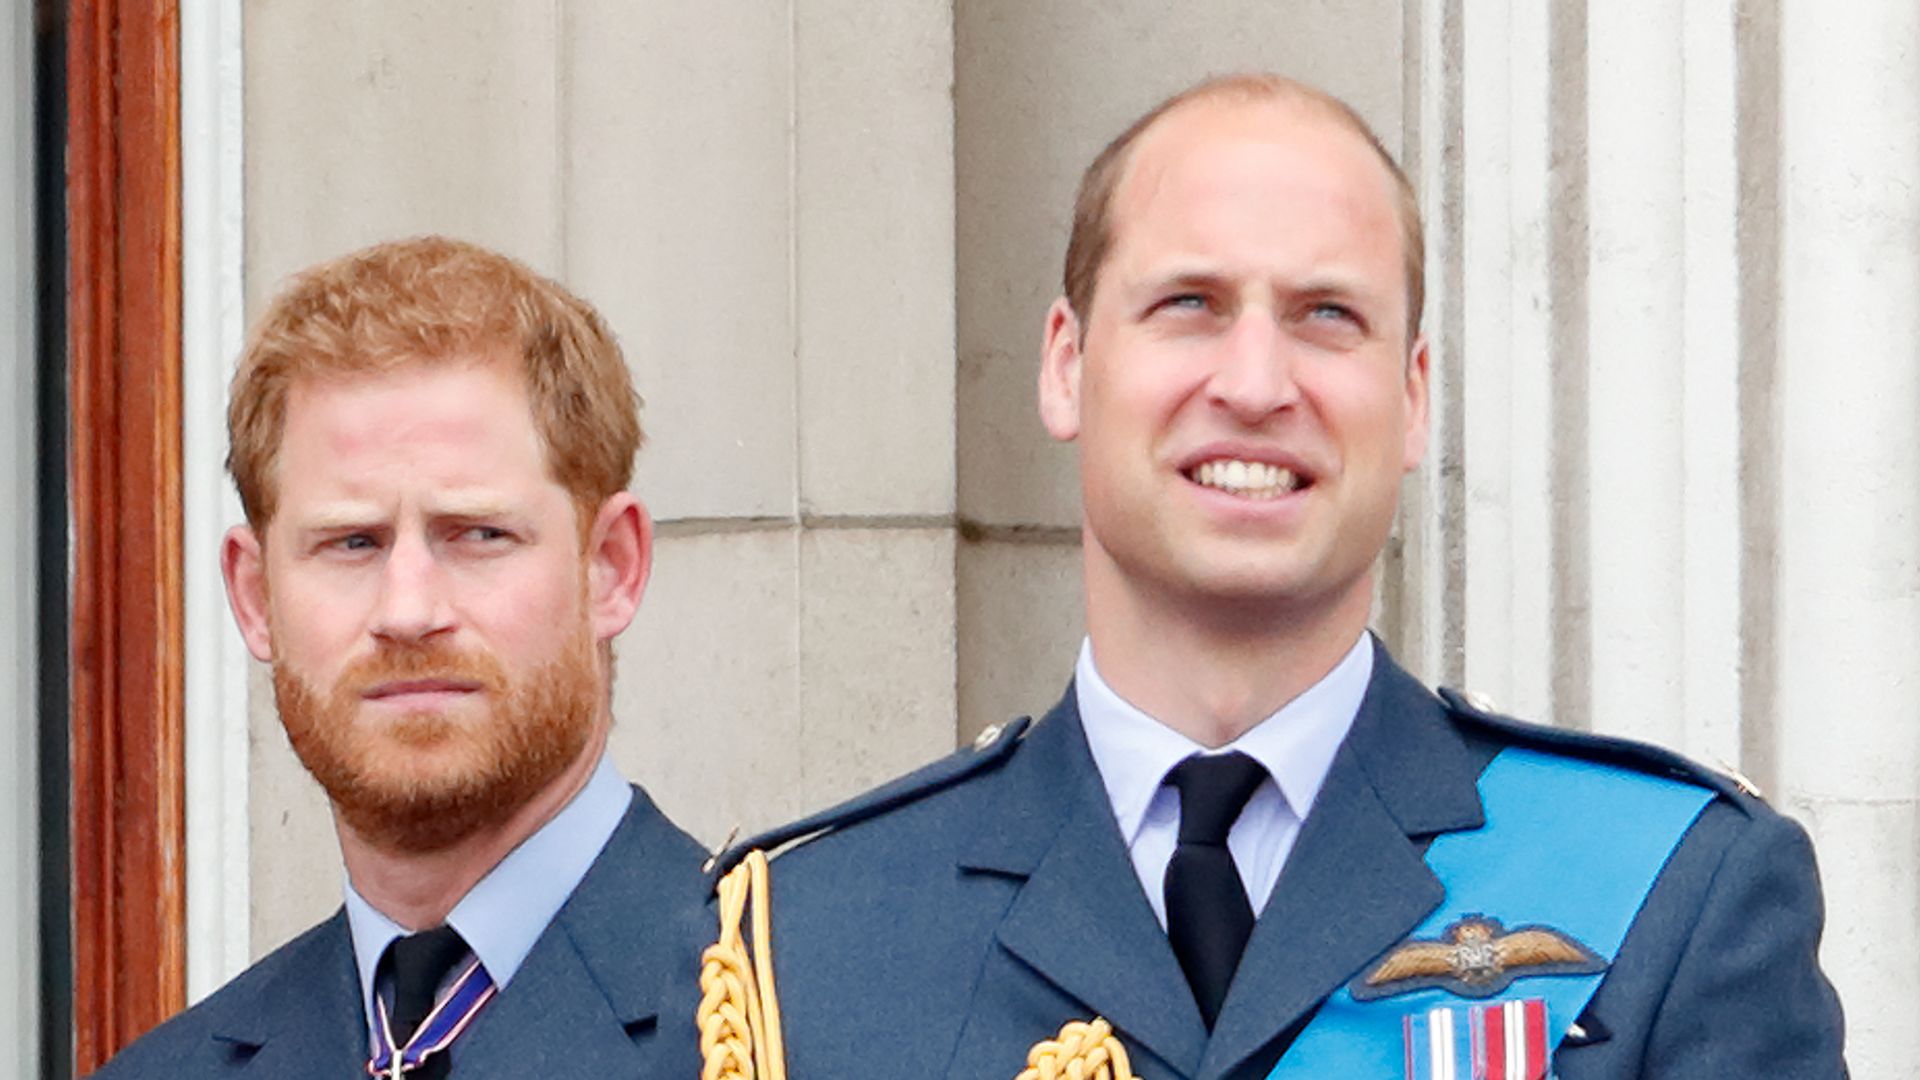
[1567,844]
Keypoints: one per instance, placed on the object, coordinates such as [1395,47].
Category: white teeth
[1254,479]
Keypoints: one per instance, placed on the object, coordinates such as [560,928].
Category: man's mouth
[419,687]
[1247,479]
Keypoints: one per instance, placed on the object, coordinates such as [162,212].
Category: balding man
[1246,843]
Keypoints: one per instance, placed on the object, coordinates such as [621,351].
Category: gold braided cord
[1082,1051]
[739,1013]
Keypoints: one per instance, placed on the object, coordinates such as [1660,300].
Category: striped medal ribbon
[450,1016]
[1501,1040]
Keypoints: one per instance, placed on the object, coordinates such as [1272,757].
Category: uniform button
[988,736]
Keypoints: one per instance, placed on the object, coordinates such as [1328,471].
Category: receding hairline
[1092,240]
[1303,103]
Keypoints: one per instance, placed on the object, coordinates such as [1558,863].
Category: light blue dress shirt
[1134,753]
[506,912]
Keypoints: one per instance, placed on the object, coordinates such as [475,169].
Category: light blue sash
[1567,844]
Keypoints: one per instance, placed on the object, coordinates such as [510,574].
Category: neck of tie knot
[1213,790]
[418,964]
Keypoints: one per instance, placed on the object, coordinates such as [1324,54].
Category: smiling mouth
[1257,480]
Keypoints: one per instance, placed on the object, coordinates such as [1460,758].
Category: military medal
[450,1016]
[1502,1040]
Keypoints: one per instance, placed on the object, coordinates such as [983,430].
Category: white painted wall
[213,321]
[19,791]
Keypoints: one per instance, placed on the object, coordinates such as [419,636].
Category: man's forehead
[1204,140]
[1323,202]
[456,424]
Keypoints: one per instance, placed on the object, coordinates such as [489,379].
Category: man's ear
[1418,404]
[619,558]
[243,566]
[1060,372]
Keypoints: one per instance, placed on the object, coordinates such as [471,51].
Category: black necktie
[418,964]
[1208,916]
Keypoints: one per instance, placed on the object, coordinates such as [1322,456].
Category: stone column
[1847,600]
[1676,251]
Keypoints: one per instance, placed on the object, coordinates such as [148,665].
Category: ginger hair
[434,300]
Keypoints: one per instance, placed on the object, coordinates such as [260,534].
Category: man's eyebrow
[1325,285]
[1176,276]
[338,516]
[1322,283]
[469,504]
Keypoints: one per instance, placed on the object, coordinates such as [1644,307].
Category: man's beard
[424,781]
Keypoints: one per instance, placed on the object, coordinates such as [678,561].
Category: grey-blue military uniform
[602,994]
[941,925]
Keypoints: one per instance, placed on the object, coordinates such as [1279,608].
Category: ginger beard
[423,781]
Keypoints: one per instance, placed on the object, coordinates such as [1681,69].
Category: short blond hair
[1092,235]
[431,300]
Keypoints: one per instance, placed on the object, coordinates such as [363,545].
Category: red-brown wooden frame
[123,310]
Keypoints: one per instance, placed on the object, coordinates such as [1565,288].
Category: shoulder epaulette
[1611,750]
[988,750]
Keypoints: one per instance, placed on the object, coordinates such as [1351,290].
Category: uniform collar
[507,910]
[1133,751]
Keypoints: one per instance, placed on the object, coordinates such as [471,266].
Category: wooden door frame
[127,821]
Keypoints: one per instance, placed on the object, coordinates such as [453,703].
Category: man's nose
[1255,375]
[413,601]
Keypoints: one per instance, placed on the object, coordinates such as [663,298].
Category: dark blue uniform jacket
[602,994]
[942,924]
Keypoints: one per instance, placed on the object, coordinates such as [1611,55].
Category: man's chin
[427,787]
[1264,589]
[419,810]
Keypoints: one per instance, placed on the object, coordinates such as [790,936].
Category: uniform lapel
[597,977]
[299,1014]
[1080,920]
[1356,882]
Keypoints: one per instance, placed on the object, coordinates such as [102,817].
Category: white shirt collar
[1134,751]
[506,911]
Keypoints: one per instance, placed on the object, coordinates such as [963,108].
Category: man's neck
[418,889]
[1212,673]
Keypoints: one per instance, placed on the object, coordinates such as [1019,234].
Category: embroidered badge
[1475,957]
[1504,1040]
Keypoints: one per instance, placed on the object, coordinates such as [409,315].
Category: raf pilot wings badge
[1475,957]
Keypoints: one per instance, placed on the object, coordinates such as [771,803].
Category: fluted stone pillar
[1846,749]
[1675,262]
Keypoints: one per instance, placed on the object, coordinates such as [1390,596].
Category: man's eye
[353,542]
[1185,302]
[1330,310]
[484,533]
